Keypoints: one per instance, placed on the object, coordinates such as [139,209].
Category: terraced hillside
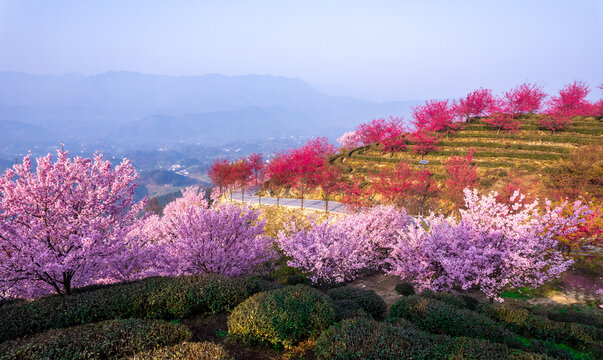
[528,151]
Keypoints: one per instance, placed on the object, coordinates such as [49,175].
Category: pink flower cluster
[491,247]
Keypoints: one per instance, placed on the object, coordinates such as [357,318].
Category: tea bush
[110,339]
[366,299]
[283,316]
[186,351]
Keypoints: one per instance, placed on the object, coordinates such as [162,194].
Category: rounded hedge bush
[405,289]
[438,317]
[112,339]
[368,339]
[458,300]
[186,351]
[152,298]
[525,323]
[366,299]
[347,309]
[363,338]
[283,316]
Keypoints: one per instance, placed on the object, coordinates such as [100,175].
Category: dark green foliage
[575,317]
[298,279]
[405,289]
[470,348]
[368,339]
[366,299]
[458,300]
[347,309]
[156,298]
[283,316]
[110,339]
[438,317]
[527,324]
[362,338]
[186,351]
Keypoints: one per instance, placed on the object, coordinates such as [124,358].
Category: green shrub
[347,309]
[458,300]
[110,339]
[470,348]
[158,298]
[297,279]
[362,338]
[366,299]
[283,316]
[405,289]
[527,324]
[438,317]
[186,350]
[575,317]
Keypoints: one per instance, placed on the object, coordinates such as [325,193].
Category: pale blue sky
[386,50]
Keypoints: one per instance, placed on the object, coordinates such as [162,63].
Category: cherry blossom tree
[555,121]
[225,240]
[477,103]
[350,140]
[492,246]
[258,173]
[461,174]
[66,224]
[389,132]
[503,117]
[220,174]
[424,142]
[571,100]
[279,175]
[525,98]
[435,116]
[329,178]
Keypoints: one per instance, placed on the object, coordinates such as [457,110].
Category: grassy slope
[527,151]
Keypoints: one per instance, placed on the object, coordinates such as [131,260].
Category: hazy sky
[392,50]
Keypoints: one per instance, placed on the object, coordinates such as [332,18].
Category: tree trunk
[326,205]
[302,202]
[278,200]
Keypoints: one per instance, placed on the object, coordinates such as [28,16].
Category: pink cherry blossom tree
[65,224]
[491,247]
[525,98]
[349,140]
[477,103]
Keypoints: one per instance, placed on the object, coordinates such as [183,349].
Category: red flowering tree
[389,132]
[279,175]
[525,98]
[571,100]
[477,103]
[329,178]
[555,121]
[502,117]
[65,224]
[462,174]
[258,172]
[219,173]
[405,187]
[304,162]
[435,116]
[424,142]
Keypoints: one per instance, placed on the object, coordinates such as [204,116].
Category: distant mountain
[122,113]
[164,177]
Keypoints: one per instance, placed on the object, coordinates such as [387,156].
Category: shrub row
[499,145]
[154,298]
[527,324]
[558,138]
[186,351]
[368,300]
[367,339]
[110,339]
[282,317]
[438,317]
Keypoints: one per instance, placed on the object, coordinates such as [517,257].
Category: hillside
[529,151]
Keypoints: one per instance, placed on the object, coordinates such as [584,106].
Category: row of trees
[73,222]
[500,112]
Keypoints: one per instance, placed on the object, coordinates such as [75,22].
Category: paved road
[308,204]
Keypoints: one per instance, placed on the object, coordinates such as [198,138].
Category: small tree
[258,173]
[389,132]
[524,99]
[461,174]
[435,116]
[424,142]
[350,140]
[571,100]
[502,118]
[556,120]
[65,224]
[330,180]
[476,104]
[279,176]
